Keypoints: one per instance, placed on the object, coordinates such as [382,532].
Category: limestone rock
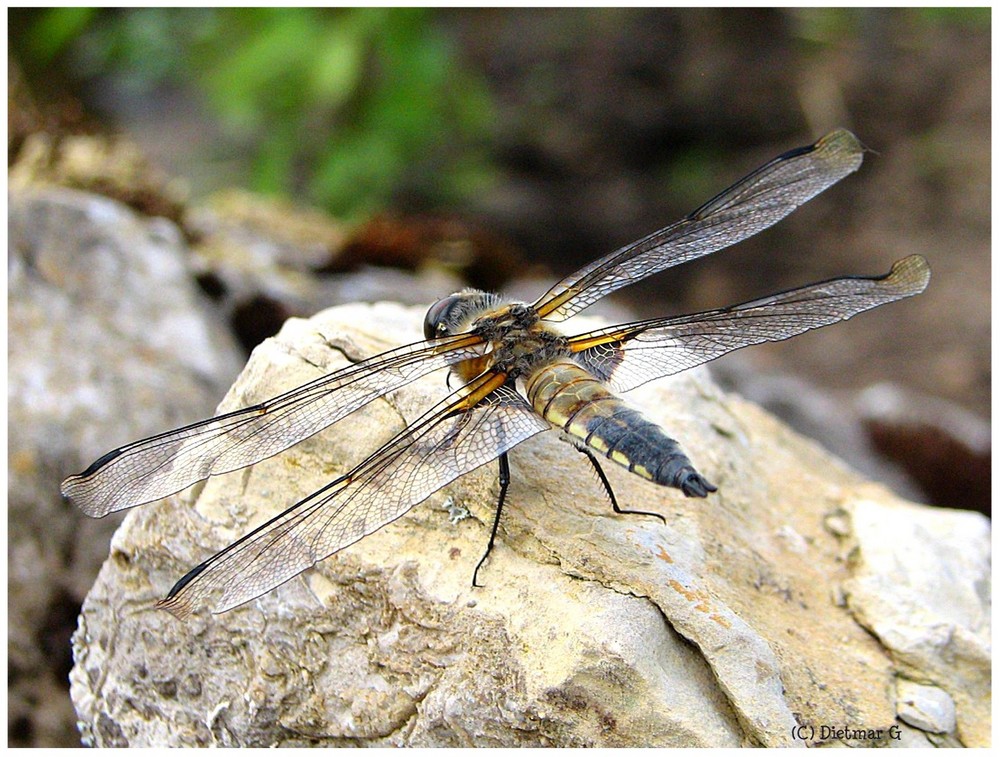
[925,593]
[925,707]
[108,341]
[736,622]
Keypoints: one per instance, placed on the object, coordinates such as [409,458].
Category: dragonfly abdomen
[571,399]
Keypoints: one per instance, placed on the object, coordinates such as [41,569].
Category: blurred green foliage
[823,26]
[970,16]
[344,106]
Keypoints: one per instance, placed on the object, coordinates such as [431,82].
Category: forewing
[751,205]
[154,468]
[629,355]
[446,442]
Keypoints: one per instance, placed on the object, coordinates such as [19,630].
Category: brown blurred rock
[260,256]
[479,257]
[944,448]
[108,166]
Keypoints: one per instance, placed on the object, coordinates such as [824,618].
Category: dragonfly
[520,374]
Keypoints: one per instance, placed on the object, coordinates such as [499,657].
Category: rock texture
[109,339]
[799,596]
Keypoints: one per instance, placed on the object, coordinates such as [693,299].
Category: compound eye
[435,322]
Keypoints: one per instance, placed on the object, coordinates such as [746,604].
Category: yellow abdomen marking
[573,400]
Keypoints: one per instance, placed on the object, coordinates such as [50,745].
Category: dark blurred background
[559,135]
[573,132]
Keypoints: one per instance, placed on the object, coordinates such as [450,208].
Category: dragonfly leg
[504,483]
[610,491]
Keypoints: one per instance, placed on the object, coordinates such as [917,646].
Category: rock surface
[773,604]
[109,340]
[925,707]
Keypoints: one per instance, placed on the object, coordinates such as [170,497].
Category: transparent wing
[154,468]
[751,205]
[629,355]
[450,439]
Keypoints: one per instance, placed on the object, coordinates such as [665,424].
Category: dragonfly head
[456,312]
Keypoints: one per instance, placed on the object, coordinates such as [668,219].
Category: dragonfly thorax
[520,351]
[515,340]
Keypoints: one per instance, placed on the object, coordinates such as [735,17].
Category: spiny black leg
[504,482]
[607,488]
